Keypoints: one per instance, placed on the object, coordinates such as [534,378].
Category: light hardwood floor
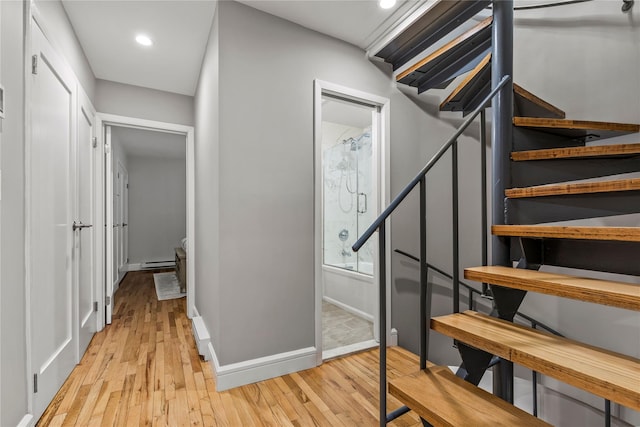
[144,369]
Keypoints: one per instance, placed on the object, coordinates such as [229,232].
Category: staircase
[543,140]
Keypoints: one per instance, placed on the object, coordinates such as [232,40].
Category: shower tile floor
[341,328]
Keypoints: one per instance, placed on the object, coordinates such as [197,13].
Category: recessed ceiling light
[144,40]
[387,4]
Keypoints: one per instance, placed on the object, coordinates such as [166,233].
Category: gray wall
[143,103]
[157,207]
[254,174]
[13,369]
[64,40]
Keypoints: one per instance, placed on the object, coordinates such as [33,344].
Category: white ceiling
[149,143]
[359,22]
[180,30]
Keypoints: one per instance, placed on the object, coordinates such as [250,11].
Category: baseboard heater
[149,265]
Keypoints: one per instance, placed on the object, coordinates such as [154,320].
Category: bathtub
[352,291]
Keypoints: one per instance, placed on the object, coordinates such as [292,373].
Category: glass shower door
[348,183]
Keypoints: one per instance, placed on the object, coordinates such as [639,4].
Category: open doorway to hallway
[149,201]
[148,179]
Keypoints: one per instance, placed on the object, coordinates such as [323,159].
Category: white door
[85,218]
[121,207]
[125,220]
[117,221]
[50,234]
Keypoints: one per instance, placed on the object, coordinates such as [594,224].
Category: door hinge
[127,186]
[34,64]
[107,300]
[95,306]
[35,383]
[94,141]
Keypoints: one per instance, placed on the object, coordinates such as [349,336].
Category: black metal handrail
[415,181]
[425,296]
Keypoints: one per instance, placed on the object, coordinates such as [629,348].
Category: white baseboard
[251,371]
[26,421]
[263,368]
[348,308]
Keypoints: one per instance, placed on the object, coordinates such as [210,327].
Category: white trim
[262,368]
[349,349]
[348,308]
[104,119]
[402,24]
[384,185]
[106,181]
[201,336]
[26,421]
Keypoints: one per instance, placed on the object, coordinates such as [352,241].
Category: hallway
[144,369]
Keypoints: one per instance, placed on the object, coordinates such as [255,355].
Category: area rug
[167,286]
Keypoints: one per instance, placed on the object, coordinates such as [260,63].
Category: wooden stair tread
[443,399]
[606,292]
[622,234]
[631,184]
[577,129]
[578,152]
[440,19]
[449,60]
[477,85]
[604,373]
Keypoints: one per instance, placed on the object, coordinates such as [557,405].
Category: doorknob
[124,224]
[80,225]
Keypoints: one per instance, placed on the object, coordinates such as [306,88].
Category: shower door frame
[383,185]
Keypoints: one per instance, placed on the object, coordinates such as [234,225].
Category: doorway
[160,245]
[351,187]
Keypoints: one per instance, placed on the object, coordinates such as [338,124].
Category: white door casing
[109,221]
[104,123]
[381,135]
[50,154]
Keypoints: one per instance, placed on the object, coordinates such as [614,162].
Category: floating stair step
[632,184]
[438,20]
[604,373]
[477,85]
[606,292]
[617,150]
[450,60]
[621,234]
[472,90]
[577,129]
[443,399]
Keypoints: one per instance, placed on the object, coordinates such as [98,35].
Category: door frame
[103,120]
[321,87]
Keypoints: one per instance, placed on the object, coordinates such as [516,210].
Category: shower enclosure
[349,200]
